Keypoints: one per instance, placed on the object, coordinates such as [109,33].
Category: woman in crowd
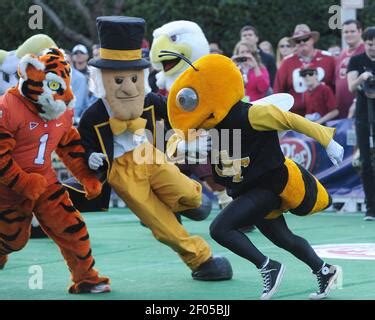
[284,49]
[255,74]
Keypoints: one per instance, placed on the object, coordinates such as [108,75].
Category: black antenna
[175,54]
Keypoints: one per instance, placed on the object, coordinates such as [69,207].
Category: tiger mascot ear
[29,64]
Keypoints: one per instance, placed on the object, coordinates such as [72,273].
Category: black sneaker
[272,274]
[329,277]
[369,216]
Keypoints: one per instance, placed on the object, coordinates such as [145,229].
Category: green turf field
[142,268]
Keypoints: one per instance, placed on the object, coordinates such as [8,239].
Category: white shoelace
[266,280]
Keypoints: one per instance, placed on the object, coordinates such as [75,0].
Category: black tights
[251,208]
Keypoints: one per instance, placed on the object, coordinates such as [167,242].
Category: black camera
[369,86]
[241,59]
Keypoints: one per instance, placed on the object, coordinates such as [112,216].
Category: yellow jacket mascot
[249,162]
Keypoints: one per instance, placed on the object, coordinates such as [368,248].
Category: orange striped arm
[72,153]
[11,174]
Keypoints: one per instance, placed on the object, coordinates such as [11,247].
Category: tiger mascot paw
[33,187]
[92,186]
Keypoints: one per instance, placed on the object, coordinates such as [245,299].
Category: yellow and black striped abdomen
[303,194]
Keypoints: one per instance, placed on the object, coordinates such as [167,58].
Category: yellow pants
[154,192]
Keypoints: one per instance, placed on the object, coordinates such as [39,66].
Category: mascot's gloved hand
[197,150]
[33,186]
[96,160]
[92,186]
[335,152]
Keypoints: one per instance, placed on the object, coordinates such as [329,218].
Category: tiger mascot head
[45,81]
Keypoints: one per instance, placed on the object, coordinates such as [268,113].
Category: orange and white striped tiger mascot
[35,120]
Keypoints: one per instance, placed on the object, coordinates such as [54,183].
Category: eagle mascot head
[183,37]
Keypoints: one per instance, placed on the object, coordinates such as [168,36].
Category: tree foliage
[221,20]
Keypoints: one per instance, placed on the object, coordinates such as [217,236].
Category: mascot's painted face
[200,98]
[45,80]
[125,92]
[183,37]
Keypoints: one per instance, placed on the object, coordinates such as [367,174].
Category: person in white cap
[80,58]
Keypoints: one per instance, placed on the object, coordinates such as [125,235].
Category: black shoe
[37,233]
[329,277]
[214,269]
[272,274]
[370,216]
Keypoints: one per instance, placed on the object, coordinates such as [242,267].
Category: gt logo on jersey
[231,167]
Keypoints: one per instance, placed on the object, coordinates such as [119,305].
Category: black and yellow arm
[270,117]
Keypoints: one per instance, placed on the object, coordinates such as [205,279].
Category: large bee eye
[187,99]
[54,85]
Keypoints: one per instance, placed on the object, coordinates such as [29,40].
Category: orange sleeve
[72,153]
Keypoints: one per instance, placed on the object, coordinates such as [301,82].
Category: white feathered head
[183,37]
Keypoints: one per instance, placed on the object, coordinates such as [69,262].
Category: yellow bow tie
[120,126]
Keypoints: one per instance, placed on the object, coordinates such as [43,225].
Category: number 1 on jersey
[42,149]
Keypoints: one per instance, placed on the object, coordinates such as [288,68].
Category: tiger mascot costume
[35,120]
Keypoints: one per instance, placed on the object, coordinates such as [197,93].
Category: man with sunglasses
[288,77]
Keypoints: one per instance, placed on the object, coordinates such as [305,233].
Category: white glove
[335,152]
[223,198]
[197,149]
[96,160]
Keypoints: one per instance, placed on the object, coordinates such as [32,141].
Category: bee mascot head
[204,94]
[118,73]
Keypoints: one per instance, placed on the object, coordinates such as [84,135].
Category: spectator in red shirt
[352,35]
[288,78]
[254,73]
[319,99]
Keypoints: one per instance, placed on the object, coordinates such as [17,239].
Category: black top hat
[120,43]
